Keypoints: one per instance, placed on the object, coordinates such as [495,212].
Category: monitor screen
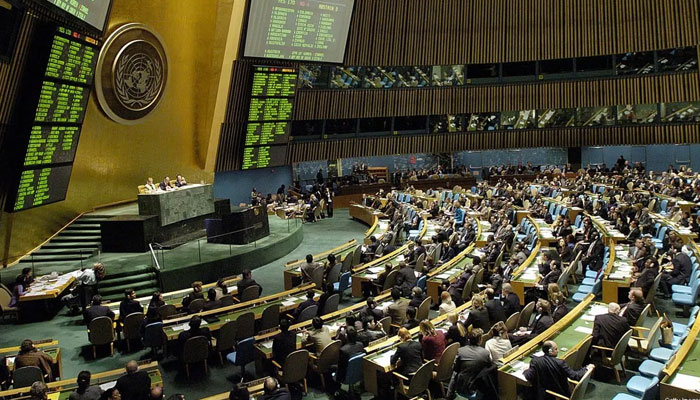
[39,187]
[303,30]
[92,12]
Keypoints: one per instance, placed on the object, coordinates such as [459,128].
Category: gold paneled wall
[113,159]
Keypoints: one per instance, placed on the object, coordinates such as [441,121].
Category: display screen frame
[46,4]
[244,40]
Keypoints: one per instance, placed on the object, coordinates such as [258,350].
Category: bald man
[550,373]
[273,391]
[609,328]
[136,384]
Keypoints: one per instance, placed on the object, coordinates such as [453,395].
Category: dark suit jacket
[632,311]
[406,280]
[496,311]
[98,311]
[540,324]
[559,312]
[608,329]
[128,306]
[646,280]
[282,345]
[682,267]
[479,319]
[136,386]
[185,335]
[347,351]
[244,283]
[551,373]
[366,336]
[411,355]
[511,304]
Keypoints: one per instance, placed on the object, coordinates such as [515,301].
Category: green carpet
[318,237]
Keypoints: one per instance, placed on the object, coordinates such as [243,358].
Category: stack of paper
[385,358]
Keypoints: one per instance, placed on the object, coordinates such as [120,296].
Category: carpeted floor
[318,237]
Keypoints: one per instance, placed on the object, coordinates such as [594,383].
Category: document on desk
[385,359]
[686,381]
[518,368]
[288,303]
[376,270]
[584,329]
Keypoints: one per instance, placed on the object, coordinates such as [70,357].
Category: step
[135,270]
[80,232]
[93,217]
[123,280]
[56,258]
[44,251]
[137,286]
[71,245]
[73,238]
[92,229]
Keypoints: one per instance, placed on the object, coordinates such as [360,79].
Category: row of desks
[569,333]
[61,390]
[49,346]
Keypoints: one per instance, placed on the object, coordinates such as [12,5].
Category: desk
[47,287]
[178,205]
[369,271]
[175,298]
[255,389]
[61,390]
[377,360]
[450,270]
[569,333]
[618,274]
[682,379]
[49,347]
[292,272]
[288,300]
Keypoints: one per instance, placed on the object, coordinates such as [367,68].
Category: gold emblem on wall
[132,73]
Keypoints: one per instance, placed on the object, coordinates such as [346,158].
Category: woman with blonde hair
[457,333]
[479,315]
[499,343]
[432,341]
[446,303]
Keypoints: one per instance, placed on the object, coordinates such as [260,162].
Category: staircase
[77,242]
[142,279]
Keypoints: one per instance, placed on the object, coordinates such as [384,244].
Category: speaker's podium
[242,226]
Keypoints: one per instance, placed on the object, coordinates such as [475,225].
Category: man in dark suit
[284,343]
[273,391]
[560,308]
[471,361]
[494,307]
[417,297]
[680,274]
[371,332]
[550,373]
[371,309]
[609,328]
[511,301]
[593,259]
[645,280]
[351,348]
[405,278]
[135,385]
[541,323]
[409,354]
[127,306]
[212,303]
[195,330]
[97,310]
[247,281]
[306,303]
[397,310]
[633,309]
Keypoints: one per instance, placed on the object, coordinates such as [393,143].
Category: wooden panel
[333,104]
[427,32]
[575,137]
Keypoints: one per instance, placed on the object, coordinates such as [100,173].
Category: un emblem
[132,73]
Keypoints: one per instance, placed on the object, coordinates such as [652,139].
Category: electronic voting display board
[48,119]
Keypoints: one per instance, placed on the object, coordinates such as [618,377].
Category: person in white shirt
[150,186]
[499,343]
[446,303]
